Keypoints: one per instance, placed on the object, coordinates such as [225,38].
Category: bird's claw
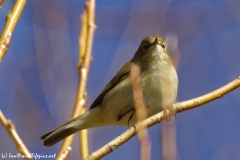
[166,111]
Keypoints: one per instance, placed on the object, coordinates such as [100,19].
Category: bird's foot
[167,112]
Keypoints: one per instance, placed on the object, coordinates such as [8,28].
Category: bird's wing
[119,77]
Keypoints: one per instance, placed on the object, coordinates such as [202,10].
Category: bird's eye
[163,45]
[145,47]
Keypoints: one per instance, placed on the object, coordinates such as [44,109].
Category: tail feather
[55,129]
[87,120]
[58,135]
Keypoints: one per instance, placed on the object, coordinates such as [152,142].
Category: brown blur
[141,112]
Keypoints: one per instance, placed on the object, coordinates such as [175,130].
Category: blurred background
[39,78]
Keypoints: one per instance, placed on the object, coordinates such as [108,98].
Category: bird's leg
[125,113]
[133,111]
[122,115]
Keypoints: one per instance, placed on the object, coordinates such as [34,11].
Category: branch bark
[1,2]
[85,56]
[9,126]
[11,21]
[165,114]
[141,111]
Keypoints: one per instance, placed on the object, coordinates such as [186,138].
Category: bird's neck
[157,62]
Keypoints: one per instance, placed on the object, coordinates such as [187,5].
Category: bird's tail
[90,119]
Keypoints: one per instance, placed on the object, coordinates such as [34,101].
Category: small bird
[115,104]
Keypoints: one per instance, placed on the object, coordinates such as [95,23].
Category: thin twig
[86,41]
[1,2]
[83,141]
[9,126]
[165,114]
[65,154]
[141,111]
[169,149]
[169,139]
[11,21]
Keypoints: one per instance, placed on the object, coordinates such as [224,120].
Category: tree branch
[1,2]
[9,126]
[165,114]
[11,21]
[140,110]
[65,154]
[85,56]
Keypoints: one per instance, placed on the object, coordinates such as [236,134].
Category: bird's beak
[156,41]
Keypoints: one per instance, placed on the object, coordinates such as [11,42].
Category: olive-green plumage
[115,104]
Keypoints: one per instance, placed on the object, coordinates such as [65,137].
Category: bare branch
[65,154]
[141,111]
[85,45]
[9,126]
[169,140]
[11,21]
[1,2]
[83,138]
[165,114]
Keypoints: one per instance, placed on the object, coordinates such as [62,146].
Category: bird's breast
[159,84]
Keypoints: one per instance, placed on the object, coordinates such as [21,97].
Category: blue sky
[39,77]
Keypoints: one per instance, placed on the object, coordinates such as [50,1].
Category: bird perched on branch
[115,105]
